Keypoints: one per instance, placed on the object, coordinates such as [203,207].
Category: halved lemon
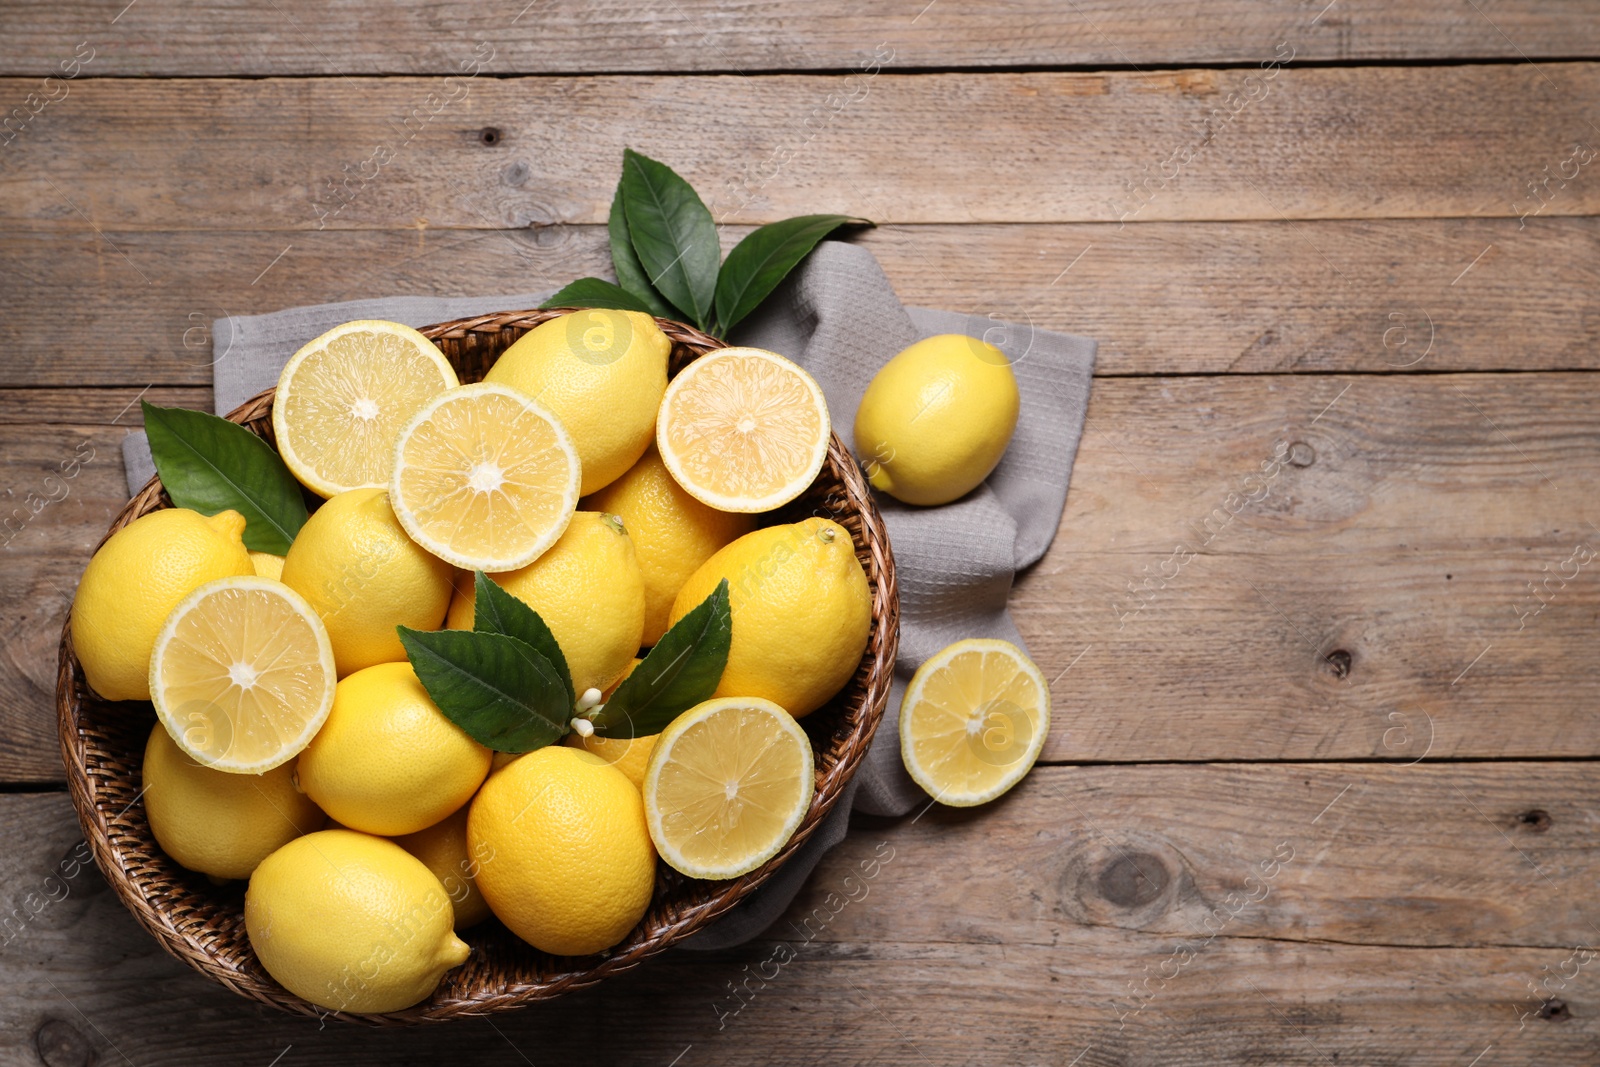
[727,786]
[242,674]
[743,429]
[343,398]
[973,721]
[484,477]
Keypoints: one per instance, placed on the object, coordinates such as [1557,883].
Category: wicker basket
[102,744]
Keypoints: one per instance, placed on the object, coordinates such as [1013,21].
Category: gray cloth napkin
[838,317]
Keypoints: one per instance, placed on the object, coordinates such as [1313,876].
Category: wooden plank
[1371,603]
[884,960]
[299,154]
[1164,298]
[191,38]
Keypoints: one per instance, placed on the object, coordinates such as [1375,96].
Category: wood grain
[299,154]
[1372,603]
[1165,298]
[1037,953]
[217,37]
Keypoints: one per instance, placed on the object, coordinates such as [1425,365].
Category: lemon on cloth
[351,922]
[973,721]
[743,429]
[220,824]
[442,847]
[602,373]
[388,761]
[728,784]
[801,612]
[242,674]
[937,418]
[565,859]
[135,580]
[343,397]
[588,590]
[673,533]
[355,565]
[267,565]
[485,477]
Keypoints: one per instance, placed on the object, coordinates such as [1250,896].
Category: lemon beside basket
[202,924]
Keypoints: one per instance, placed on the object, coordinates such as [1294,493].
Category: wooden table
[1321,788]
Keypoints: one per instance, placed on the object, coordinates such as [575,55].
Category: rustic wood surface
[1372,268]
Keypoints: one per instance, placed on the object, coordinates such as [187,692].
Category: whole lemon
[135,580]
[359,571]
[937,418]
[587,588]
[387,761]
[564,853]
[602,373]
[442,847]
[351,922]
[801,612]
[218,823]
[673,533]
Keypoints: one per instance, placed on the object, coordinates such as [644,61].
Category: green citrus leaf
[596,293]
[625,261]
[496,611]
[673,234]
[681,671]
[764,258]
[496,688]
[209,465]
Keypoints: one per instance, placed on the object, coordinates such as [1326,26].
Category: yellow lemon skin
[135,580]
[359,571]
[630,755]
[442,847]
[937,418]
[802,611]
[387,761]
[673,533]
[602,373]
[216,823]
[587,588]
[267,565]
[565,858]
[351,922]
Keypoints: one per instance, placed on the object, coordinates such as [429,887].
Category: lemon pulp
[727,786]
[973,721]
[742,429]
[242,675]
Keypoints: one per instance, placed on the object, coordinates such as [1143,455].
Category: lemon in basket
[343,397]
[351,922]
[601,372]
[242,674]
[973,721]
[485,477]
[135,580]
[565,859]
[728,783]
[743,429]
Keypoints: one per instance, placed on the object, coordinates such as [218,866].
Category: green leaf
[625,261]
[496,688]
[596,293]
[496,611]
[209,465]
[673,234]
[765,257]
[681,671]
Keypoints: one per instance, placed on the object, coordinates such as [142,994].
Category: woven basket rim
[122,846]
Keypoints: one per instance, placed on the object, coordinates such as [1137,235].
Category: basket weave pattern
[102,744]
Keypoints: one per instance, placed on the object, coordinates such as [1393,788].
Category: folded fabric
[838,317]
